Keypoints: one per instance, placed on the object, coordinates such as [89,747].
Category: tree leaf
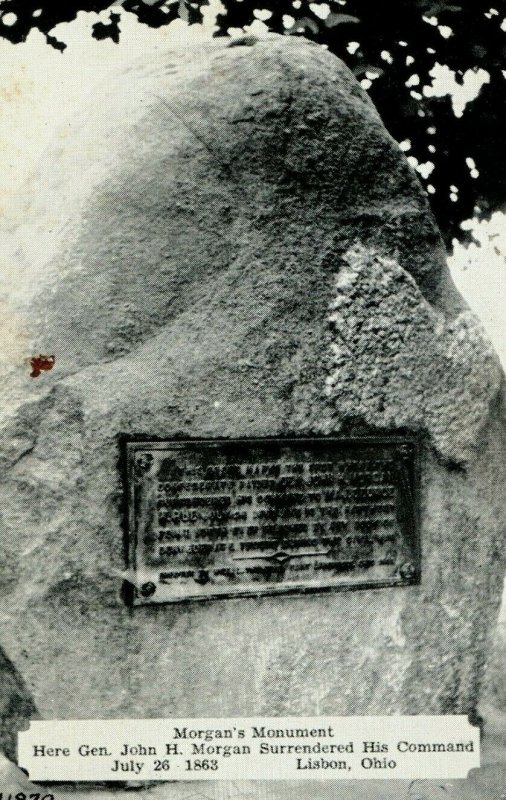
[441,8]
[54,42]
[111,30]
[339,19]
[304,24]
[194,11]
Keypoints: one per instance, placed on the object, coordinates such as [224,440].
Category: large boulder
[230,244]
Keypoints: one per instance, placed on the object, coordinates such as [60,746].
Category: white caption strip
[433,747]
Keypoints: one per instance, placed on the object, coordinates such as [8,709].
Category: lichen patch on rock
[397,362]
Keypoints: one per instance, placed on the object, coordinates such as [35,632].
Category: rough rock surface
[236,247]
[397,361]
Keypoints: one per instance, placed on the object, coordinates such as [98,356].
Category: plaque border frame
[130,444]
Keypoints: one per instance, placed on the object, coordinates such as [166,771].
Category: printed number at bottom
[196,764]
[25,796]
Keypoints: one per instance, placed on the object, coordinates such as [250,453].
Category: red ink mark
[41,363]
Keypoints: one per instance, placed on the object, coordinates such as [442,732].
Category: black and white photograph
[252,429]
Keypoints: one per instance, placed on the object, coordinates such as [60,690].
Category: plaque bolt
[144,461]
[407,571]
[202,577]
[147,589]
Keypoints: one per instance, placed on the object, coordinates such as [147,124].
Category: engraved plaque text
[220,518]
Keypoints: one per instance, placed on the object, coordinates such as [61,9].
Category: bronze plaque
[232,518]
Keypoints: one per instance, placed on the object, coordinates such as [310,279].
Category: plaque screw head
[147,589]
[407,571]
[202,577]
[144,461]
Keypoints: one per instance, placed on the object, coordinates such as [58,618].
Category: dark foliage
[110,30]
[396,41]
[44,15]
